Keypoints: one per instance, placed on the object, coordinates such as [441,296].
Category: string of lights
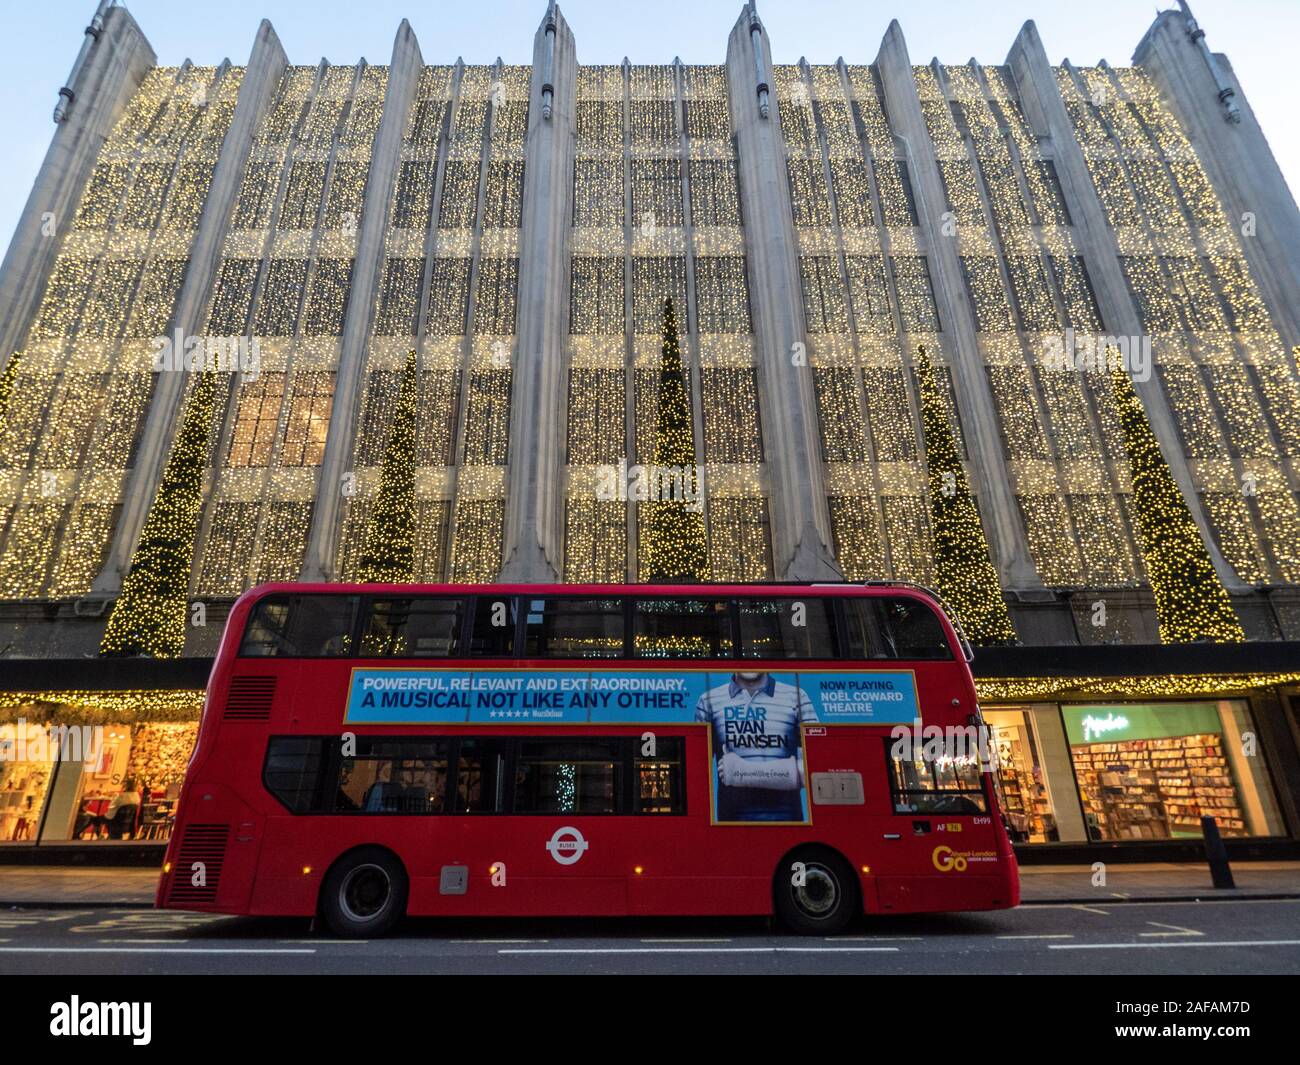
[394,335]
[319,132]
[1196,297]
[90,348]
[497,97]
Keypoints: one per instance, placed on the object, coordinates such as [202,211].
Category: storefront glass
[130,792]
[1021,780]
[26,768]
[91,782]
[1151,771]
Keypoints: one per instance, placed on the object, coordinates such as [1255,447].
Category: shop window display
[1020,780]
[131,793]
[1152,772]
[117,782]
[26,767]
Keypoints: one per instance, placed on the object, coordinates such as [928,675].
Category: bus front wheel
[364,894]
[815,893]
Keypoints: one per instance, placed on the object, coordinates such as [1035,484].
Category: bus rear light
[638,870]
[306,870]
[167,868]
[866,869]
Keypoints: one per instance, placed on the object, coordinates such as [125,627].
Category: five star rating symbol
[507,713]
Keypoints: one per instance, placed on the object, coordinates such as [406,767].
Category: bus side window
[569,776]
[887,627]
[493,634]
[921,785]
[293,772]
[573,628]
[682,628]
[393,776]
[413,628]
[479,787]
[301,626]
[658,781]
[787,628]
[267,630]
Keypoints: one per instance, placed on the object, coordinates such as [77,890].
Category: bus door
[938,844]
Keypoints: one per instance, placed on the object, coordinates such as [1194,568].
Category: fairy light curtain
[285,282]
[78,401]
[1223,369]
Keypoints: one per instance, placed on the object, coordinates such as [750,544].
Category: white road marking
[1091,909]
[1055,935]
[152,950]
[333,942]
[689,939]
[1198,943]
[705,950]
[498,941]
[873,939]
[172,941]
[1177,930]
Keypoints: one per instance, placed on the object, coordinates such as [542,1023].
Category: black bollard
[1216,854]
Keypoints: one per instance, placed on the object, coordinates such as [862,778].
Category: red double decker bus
[368,752]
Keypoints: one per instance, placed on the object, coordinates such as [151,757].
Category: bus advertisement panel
[755,718]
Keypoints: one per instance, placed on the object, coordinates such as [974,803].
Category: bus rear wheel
[364,894]
[815,893]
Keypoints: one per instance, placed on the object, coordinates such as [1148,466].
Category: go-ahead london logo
[567,845]
[946,859]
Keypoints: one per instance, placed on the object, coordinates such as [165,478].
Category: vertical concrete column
[799,513]
[367,271]
[998,510]
[266,64]
[534,517]
[112,71]
[1041,101]
[1236,157]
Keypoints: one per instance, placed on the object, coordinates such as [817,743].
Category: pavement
[60,886]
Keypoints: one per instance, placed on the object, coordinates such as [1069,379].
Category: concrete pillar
[367,270]
[974,397]
[1045,110]
[534,514]
[266,64]
[113,70]
[799,514]
[1236,157]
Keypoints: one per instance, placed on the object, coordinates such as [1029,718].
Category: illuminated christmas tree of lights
[674,538]
[388,556]
[149,616]
[1191,602]
[964,573]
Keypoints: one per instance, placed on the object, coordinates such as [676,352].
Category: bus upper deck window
[413,628]
[893,627]
[787,628]
[301,626]
[493,634]
[573,628]
[682,628]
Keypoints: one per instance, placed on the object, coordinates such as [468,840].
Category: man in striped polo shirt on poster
[755,720]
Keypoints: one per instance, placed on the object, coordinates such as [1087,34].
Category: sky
[39,42]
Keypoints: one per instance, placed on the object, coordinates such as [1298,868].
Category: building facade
[520,227]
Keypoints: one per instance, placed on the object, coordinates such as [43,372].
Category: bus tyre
[364,894]
[816,893]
